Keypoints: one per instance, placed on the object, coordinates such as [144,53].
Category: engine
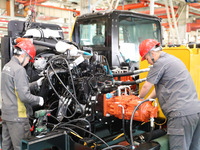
[73,82]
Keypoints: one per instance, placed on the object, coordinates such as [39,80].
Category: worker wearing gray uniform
[17,101]
[176,94]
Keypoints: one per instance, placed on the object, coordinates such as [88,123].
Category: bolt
[107,115]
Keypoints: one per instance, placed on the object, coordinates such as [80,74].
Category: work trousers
[184,132]
[13,133]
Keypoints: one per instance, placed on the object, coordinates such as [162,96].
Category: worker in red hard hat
[176,94]
[147,46]
[17,100]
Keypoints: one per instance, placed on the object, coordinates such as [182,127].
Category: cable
[122,134]
[115,146]
[81,119]
[123,124]
[52,105]
[70,76]
[53,38]
[73,114]
[161,123]
[52,84]
[80,137]
[55,118]
[60,97]
[56,126]
[74,97]
[144,123]
[72,131]
[89,133]
[131,121]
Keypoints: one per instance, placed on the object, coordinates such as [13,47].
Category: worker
[176,94]
[17,100]
[98,39]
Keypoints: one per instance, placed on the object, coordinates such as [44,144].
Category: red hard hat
[28,47]
[146,46]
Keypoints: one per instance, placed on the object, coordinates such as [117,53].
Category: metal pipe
[169,20]
[195,9]
[130,82]
[131,73]
[125,88]
[78,12]
[180,13]
[111,4]
[152,7]
[174,19]
[116,4]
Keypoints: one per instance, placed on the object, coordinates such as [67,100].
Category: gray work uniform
[179,102]
[17,102]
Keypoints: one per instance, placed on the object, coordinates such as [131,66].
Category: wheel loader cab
[116,34]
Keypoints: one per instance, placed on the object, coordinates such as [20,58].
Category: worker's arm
[152,95]
[22,88]
[145,89]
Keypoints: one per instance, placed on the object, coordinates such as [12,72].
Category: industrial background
[88,52]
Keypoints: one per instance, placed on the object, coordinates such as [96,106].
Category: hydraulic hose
[131,121]
[148,136]
[131,73]
[123,74]
[123,124]
[41,43]
[130,82]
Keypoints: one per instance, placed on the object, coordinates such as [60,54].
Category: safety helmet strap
[151,56]
[20,51]
[26,55]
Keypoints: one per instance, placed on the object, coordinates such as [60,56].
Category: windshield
[132,31]
[92,33]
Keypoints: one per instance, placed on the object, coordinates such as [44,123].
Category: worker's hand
[41,102]
[140,97]
[39,81]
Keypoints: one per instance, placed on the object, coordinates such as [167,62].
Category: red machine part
[115,105]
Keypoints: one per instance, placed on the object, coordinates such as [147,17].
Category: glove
[41,102]
[39,81]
